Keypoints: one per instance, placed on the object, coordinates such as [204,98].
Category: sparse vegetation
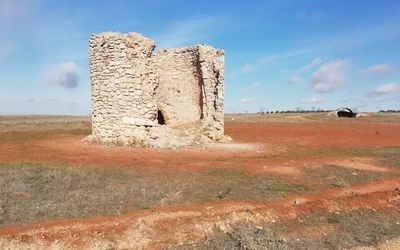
[282,117]
[389,156]
[40,135]
[36,123]
[37,192]
[336,231]
[33,192]
[240,184]
[340,177]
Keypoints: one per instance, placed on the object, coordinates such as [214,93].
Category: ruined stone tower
[169,99]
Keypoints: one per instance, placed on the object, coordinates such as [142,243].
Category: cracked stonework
[173,98]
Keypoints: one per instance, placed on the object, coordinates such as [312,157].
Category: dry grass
[386,117]
[240,184]
[335,231]
[40,135]
[309,118]
[341,177]
[15,123]
[389,156]
[276,118]
[38,192]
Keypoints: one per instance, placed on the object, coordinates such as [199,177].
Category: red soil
[151,229]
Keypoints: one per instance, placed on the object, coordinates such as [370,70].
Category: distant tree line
[313,110]
[294,111]
[297,111]
[389,111]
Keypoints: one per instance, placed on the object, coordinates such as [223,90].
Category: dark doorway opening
[160,118]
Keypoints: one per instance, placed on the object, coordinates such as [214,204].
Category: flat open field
[287,181]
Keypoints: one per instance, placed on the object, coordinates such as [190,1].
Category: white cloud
[64,74]
[378,70]
[330,76]
[369,100]
[295,79]
[317,61]
[388,88]
[256,85]
[248,68]
[314,99]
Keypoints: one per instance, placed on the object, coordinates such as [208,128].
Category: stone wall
[168,99]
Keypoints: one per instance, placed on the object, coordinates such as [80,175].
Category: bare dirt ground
[294,147]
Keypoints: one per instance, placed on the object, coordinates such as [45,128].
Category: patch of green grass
[342,152]
[332,219]
[223,172]
[390,156]
[224,194]
[84,131]
[233,183]
[276,185]
[36,192]
[342,177]
[40,135]
[275,156]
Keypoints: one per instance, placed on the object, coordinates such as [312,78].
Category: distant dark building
[345,112]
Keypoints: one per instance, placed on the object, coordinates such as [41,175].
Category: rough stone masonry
[172,98]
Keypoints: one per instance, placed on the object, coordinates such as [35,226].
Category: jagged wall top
[137,95]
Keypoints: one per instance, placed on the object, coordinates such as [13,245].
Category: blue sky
[279,55]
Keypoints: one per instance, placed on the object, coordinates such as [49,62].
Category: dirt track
[264,148]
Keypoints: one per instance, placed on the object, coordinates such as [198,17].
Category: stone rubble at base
[169,99]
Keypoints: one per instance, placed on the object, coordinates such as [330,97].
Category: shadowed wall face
[178,96]
[134,91]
